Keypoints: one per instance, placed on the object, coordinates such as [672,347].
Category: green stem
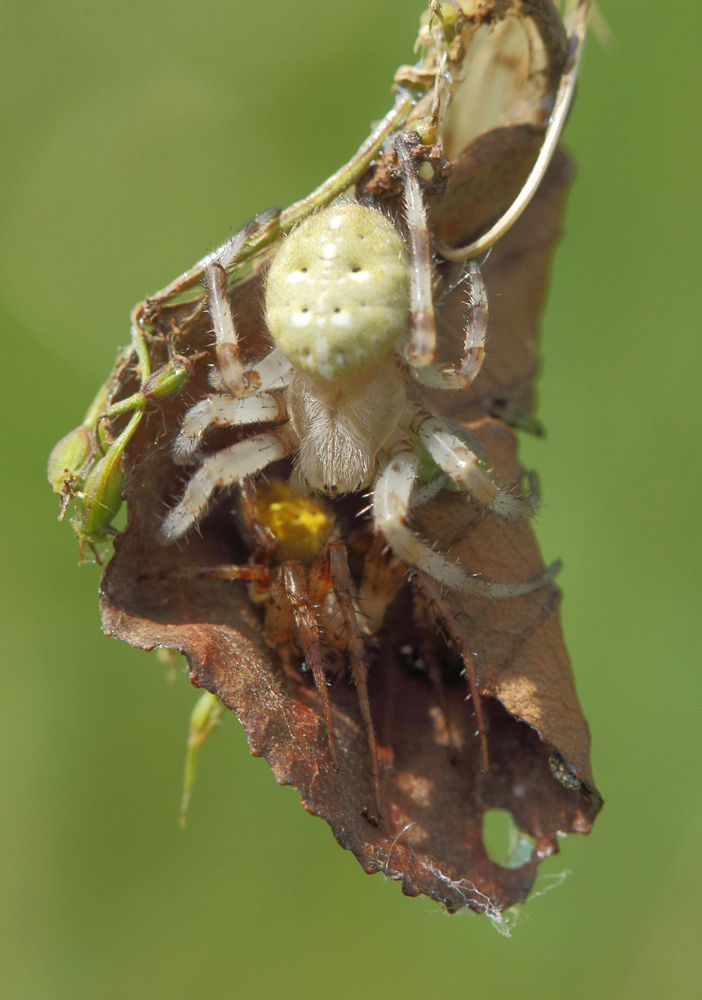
[97,407]
[326,192]
[142,352]
[135,402]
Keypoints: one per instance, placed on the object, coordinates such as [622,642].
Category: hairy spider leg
[224,411]
[424,617]
[231,373]
[461,375]
[442,610]
[266,542]
[274,371]
[383,576]
[450,454]
[223,468]
[215,277]
[460,463]
[421,349]
[290,599]
[252,572]
[391,505]
[238,380]
[341,579]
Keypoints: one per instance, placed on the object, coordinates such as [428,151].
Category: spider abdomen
[337,294]
[342,425]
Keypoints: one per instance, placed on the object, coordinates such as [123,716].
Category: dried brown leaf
[434,793]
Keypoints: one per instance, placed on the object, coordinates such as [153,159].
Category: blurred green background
[134,138]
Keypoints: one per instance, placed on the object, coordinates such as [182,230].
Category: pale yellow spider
[350,311]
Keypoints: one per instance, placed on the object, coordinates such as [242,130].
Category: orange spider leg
[323,598]
[427,641]
[341,578]
[445,615]
[264,539]
[289,593]
[383,576]
[266,542]
[227,571]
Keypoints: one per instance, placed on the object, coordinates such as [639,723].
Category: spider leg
[421,350]
[383,576]
[326,604]
[266,542]
[214,411]
[460,463]
[451,454]
[228,351]
[427,639]
[461,375]
[341,579]
[291,588]
[445,615]
[330,590]
[238,380]
[274,371]
[391,504]
[223,468]
[252,572]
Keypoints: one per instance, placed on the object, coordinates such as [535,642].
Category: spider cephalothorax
[349,307]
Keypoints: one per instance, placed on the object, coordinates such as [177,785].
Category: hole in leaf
[506,845]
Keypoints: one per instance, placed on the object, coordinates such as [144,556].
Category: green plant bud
[70,459]
[169,380]
[101,497]
[204,719]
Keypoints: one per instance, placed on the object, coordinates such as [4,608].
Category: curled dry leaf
[434,791]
